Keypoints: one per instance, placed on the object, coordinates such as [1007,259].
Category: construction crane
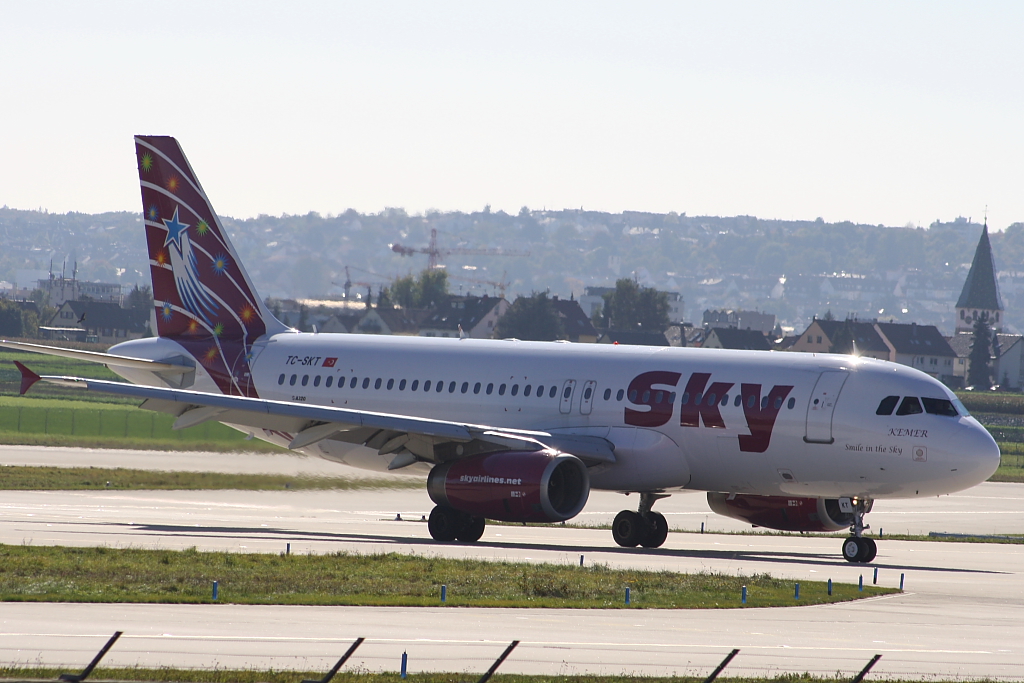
[434,253]
[500,286]
[349,281]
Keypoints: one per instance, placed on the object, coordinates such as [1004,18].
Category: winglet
[28,378]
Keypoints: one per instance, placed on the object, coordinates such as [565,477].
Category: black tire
[870,549]
[472,529]
[628,529]
[657,530]
[852,549]
[444,524]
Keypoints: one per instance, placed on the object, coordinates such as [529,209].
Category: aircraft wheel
[657,530]
[628,529]
[444,524]
[472,529]
[852,549]
[870,549]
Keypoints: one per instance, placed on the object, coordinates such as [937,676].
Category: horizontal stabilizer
[97,357]
[28,378]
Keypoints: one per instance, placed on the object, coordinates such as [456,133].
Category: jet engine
[781,512]
[513,486]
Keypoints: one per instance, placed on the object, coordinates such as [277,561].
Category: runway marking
[539,644]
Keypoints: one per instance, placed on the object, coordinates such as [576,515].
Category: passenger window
[672,397]
[887,405]
[426,385]
[712,398]
[451,387]
[527,389]
[778,402]
[607,394]
[366,382]
[291,380]
[465,387]
[619,394]
[515,389]
[329,382]
[352,384]
[658,395]
[939,406]
[685,400]
[501,390]
[764,402]
[316,381]
[401,385]
[439,386]
[476,388]
[376,385]
[490,388]
[552,391]
[632,396]
[415,385]
[391,384]
[910,406]
[567,393]
[739,399]
[750,401]
[540,390]
[305,380]
[280,380]
[789,404]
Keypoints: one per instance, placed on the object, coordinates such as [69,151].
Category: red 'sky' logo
[701,403]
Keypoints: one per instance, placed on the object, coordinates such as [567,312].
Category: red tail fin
[28,378]
[203,296]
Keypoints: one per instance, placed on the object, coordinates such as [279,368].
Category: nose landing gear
[858,547]
[644,527]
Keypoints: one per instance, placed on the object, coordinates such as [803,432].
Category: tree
[979,375]
[384,299]
[843,341]
[403,292]
[635,308]
[303,322]
[433,288]
[11,321]
[531,318]
[141,298]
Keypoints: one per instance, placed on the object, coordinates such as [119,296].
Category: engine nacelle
[781,512]
[513,486]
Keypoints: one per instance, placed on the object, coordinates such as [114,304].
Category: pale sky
[872,112]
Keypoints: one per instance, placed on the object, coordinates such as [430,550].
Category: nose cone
[979,458]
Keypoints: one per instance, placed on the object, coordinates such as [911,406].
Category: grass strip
[19,478]
[24,674]
[61,574]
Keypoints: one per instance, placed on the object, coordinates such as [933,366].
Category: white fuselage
[812,429]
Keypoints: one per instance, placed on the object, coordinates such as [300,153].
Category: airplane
[523,431]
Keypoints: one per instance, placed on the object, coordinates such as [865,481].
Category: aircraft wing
[411,439]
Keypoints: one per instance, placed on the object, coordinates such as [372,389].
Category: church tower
[980,296]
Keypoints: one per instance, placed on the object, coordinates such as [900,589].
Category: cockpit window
[961,408]
[887,405]
[939,406]
[910,406]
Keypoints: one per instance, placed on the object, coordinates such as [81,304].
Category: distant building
[61,289]
[96,321]
[741,320]
[732,338]
[477,316]
[919,346]
[820,335]
[575,322]
[980,295]
[633,338]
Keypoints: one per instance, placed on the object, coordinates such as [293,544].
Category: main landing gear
[644,527]
[858,547]
[447,524]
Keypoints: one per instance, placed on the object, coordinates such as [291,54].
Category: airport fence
[329,675]
[106,422]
